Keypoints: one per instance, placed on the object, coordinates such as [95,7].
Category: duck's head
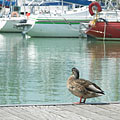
[75,72]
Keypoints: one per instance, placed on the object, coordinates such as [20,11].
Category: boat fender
[14,14]
[94,6]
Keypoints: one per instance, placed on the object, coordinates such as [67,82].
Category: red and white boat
[105,28]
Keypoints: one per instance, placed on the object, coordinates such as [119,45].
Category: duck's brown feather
[89,85]
[83,88]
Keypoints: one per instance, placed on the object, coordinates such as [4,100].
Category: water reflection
[101,49]
[105,65]
[35,70]
[54,59]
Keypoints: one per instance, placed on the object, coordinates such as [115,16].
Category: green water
[35,70]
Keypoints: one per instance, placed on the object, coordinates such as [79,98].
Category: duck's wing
[76,86]
[90,86]
[94,88]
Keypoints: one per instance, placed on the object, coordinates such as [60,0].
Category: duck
[82,88]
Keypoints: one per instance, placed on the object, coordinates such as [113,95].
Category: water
[35,70]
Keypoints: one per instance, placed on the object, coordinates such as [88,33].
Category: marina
[52,64]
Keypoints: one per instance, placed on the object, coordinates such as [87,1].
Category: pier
[100,111]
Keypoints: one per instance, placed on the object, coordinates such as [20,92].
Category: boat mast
[16,2]
[62,6]
[24,7]
[3,6]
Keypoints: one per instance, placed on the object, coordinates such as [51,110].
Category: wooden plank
[7,116]
[61,112]
[42,112]
[102,112]
[88,113]
[19,112]
[111,108]
[65,114]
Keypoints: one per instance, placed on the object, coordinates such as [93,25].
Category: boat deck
[103,111]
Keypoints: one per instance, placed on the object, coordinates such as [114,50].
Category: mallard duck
[82,88]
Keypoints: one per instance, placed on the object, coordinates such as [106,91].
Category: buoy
[93,6]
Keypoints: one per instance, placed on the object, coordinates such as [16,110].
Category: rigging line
[105,26]
[70,25]
[67,22]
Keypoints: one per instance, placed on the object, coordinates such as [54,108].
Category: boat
[8,24]
[105,28]
[10,15]
[57,24]
[67,25]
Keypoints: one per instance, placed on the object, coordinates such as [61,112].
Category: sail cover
[6,3]
[66,2]
[81,2]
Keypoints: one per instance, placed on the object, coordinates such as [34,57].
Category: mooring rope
[105,26]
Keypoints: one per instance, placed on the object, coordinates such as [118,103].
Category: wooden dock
[103,111]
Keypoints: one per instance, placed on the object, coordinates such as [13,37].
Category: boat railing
[110,15]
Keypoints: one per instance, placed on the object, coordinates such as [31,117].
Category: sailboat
[10,16]
[63,24]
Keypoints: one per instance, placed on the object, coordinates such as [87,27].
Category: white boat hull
[53,25]
[56,27]
[8,24]
[54,30]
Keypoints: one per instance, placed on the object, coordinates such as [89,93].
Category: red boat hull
[106,31]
